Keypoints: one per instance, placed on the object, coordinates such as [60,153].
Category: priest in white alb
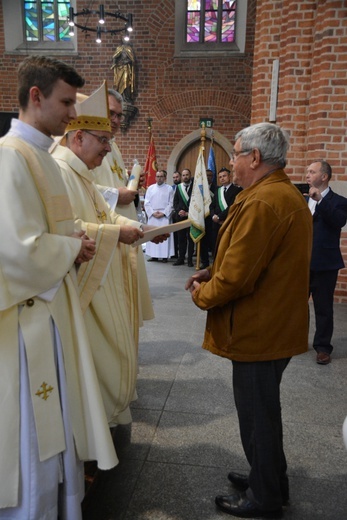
[159,207]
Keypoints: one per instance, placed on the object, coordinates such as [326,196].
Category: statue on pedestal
[124,72]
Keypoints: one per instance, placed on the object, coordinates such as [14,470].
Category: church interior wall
[310,41]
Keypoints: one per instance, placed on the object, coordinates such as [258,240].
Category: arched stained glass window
[46,21]
[210,21]
[213,27]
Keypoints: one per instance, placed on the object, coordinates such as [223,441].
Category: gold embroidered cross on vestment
[46,390]
[101,215]
[117,169]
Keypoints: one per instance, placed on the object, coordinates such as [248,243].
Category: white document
[161,230]
[111,197]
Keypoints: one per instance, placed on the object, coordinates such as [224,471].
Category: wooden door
[190,155]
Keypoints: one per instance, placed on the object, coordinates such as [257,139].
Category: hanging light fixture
[102,26]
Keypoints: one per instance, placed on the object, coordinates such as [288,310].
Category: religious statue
[124,71]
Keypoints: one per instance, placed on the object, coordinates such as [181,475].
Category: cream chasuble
[38,295]
[108,287]
[112,173]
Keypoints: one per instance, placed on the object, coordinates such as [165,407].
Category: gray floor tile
[184,438]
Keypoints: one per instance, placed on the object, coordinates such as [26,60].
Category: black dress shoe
[179,262]
[240,482]
[190,262]
[152,259]
[323,358]
[164,260]
[242,507]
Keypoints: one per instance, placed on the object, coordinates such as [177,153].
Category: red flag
[151,166]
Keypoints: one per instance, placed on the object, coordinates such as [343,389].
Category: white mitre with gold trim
[92,112]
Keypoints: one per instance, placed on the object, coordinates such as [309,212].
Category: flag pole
[202,147]
[151,165]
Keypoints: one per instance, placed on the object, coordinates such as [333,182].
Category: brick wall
[174,92]
[310,40]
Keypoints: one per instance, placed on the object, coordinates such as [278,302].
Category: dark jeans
[257,398]
[322,287]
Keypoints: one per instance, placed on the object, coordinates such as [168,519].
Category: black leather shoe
[164,260]
[152,259]
[190,263]
[239,505]
[240,482]
[323,358]
[179,262]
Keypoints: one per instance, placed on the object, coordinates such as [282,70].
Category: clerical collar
[30,134]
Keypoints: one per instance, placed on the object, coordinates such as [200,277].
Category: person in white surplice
[52,416]
[113,174]
[158,207]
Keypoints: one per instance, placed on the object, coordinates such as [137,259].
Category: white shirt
[313,203]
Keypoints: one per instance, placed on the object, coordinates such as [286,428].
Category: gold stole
[41,369]
[91,274]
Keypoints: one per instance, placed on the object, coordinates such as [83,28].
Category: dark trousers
[175,235]
[257,398]
[215,230]
[183,239]
[206,242]
[322,287]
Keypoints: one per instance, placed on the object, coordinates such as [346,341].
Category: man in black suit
[329,212]
[224,198]
[181,207]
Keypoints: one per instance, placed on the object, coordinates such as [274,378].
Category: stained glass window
[210,21]
[46,21]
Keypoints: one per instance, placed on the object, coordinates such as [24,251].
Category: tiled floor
[184,438]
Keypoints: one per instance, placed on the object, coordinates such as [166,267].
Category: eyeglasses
[120,116]
[234,155]
[101,138]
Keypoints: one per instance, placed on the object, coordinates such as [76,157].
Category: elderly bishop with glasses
[107,286]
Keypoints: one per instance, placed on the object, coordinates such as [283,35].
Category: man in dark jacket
[181,207]
[329,212]
[224,198]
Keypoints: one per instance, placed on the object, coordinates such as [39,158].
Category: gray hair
[116,95]
[271,141]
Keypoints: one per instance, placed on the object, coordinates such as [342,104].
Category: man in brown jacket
[256,298]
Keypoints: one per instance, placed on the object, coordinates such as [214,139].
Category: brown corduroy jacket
[257,298]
